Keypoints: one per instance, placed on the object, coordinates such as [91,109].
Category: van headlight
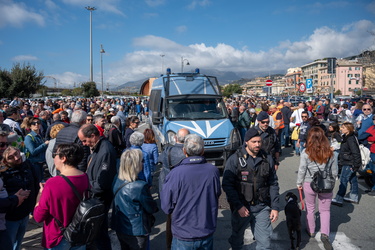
[234,140]
[171,137]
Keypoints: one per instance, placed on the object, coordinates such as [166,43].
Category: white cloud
[65,80]
[21,58]
[181,29]
[51,5]
[18,14]
[146,61]
[199,3]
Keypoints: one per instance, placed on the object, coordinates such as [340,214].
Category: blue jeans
[202,244]
[64,245]
[285,135]
[261,227]
[347,175]
[296,148]
[16,230]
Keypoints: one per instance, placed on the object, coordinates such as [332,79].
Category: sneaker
[372,192]
[336,202]
[311,235]
[325,239]
[350,200]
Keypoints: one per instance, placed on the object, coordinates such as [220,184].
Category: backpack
[365,154]
[87,220]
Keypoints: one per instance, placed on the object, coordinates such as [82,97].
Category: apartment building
[348,78]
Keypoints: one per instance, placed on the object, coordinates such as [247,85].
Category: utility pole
[91,9]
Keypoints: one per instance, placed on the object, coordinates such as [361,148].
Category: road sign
[302,87]
[309,86]
[269,82]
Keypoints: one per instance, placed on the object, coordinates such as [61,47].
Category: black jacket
[102,170]
[69,135]
[232,182]
[16,178]
[350,154]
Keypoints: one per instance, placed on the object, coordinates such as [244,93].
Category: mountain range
[224,77]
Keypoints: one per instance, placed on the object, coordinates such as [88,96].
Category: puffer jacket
[133,207]
[350,154]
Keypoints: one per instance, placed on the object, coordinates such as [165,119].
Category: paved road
[351,225]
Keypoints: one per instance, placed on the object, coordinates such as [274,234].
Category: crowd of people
[96,144]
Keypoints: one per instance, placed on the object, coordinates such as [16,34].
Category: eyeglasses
[265,122]
[366,109]
[54,154]
[4,144]
[35,123]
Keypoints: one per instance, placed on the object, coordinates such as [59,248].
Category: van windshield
[196,109]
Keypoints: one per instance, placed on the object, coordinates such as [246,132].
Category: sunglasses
[90,120]
[304,116]
[366,109]
[264,122]
[35,123]
[137,122]
[4,144]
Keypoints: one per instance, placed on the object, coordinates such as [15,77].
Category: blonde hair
[6,154]
[130,165]
[55,130]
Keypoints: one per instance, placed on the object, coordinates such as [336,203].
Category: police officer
[270,140]
[252,189]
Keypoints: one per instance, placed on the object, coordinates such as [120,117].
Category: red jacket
[371,138]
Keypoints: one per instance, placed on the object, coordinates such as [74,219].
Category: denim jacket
[35,147]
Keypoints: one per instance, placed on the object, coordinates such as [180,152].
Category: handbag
[323,181]
[295,133]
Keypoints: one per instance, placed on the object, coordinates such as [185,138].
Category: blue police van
[192,101]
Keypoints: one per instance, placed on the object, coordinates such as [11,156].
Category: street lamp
[182,63]
[91,9]
[162,63]
[101,64]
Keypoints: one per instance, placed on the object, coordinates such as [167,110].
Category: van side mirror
[156,117]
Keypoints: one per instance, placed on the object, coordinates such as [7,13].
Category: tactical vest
[268,142]
[254,185]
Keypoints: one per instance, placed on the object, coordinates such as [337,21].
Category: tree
[66,92]
[89,89]
[231,89]
[338,92]
[5,82]
[25,80]
[77,92]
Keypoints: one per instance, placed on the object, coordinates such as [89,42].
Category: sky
[141,38]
